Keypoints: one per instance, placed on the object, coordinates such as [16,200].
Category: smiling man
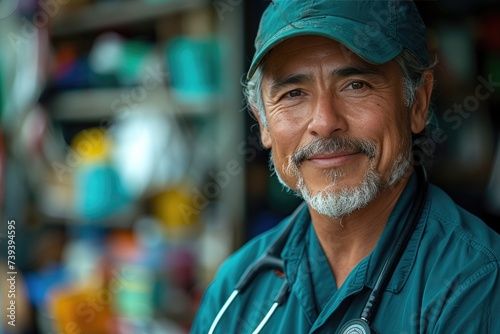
[341,90]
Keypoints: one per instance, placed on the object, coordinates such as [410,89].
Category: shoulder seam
[466,237]
[481,272]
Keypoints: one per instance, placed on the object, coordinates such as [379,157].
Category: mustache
[324,146]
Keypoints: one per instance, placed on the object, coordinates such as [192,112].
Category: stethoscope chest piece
[356,326]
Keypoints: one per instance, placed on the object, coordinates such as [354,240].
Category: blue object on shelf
[100,192]
[39,284]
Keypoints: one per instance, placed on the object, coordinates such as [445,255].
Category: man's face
[337,125]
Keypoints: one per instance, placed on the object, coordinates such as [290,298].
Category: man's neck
[348,240]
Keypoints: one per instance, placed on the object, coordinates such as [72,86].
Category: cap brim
[369,44]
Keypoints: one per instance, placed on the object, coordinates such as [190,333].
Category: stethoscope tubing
[270,259]
[222,311]
[362,325]
[279,300]
[372,303]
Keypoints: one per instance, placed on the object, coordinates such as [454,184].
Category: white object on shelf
[150,153]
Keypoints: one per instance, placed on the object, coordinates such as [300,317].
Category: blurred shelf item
[104,15]
[96,104]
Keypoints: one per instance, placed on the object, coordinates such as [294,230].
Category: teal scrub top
[447,280]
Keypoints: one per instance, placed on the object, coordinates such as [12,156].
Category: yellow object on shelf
[176,209]
[92,145]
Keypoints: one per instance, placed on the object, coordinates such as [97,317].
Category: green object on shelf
[135,299]
[492,68]
[194,66]
[135,54]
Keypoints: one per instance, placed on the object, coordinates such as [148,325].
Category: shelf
[97,104]
[109,14]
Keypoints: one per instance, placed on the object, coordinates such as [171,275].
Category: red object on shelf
[490,26]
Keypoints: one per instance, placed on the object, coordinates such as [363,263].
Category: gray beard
[337,204]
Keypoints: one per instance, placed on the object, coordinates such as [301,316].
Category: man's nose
[327,117]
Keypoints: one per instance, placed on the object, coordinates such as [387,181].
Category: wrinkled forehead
[301,52]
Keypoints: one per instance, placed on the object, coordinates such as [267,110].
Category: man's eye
[357,85]
[294,93]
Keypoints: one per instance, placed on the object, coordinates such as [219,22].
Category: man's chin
[338,200]
[338,186]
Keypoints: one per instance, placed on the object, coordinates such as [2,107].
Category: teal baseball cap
[376,30]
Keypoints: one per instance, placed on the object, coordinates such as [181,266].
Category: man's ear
[418,111]
[265,136]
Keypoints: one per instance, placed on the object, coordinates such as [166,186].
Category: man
[340,90]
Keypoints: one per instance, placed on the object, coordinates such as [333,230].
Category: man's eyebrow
[357,70]
[293,79]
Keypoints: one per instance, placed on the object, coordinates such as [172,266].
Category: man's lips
[333,159]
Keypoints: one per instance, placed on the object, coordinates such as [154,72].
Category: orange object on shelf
[85,312]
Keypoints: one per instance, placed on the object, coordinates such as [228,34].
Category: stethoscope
[271,260]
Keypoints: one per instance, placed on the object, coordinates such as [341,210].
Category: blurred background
[130,168]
